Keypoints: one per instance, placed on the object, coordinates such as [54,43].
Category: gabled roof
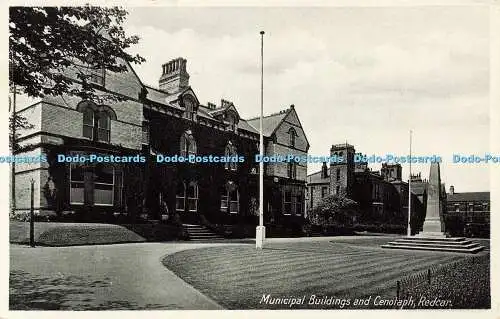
[164,98]
[243,124]
[269,123]
[468,197]
[316,178]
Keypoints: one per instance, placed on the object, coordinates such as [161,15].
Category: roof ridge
[272,114]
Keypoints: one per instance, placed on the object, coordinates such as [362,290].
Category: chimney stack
[452,190]
[174,77]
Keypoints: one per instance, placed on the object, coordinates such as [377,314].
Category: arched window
[188,144]
[293,134]
[103,127]
[232,118]
[189,107]
[231,152]
[96,121]
[88,123]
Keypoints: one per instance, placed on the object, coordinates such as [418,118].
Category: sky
[365,75]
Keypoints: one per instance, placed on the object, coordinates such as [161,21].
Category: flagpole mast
[409,194]
[261,231]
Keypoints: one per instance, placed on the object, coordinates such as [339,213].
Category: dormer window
[232,119]
[189,108]
[292,136]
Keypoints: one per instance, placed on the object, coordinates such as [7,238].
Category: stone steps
[458,244]
[200,233]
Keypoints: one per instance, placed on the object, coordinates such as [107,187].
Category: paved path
[130,275]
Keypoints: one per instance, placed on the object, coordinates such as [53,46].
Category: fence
[425,277]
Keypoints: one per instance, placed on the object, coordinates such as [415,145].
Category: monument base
[260,236]
[435,242]
[431,235]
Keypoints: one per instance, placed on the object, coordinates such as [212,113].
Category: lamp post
[32,214]
[408,231]
[260,233]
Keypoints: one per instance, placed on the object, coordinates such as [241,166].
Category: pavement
[132,275]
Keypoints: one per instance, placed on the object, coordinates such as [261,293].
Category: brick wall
[281,169]
[126,135]
[281,148]
[61,121]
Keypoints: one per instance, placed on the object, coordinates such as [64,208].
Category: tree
[56,50]
[335,209]
[45,42]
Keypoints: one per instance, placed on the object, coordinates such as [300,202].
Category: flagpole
[260,233]
[409,194]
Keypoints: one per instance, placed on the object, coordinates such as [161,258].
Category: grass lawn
[470,285]
[70,234]
[238,277]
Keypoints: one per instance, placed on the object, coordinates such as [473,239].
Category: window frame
[91,126]
[188,144]
[292,170]
[230,151]
[97,73]
[285,202]
[94,183]
[196,198]
[106,130]
[292,135]
[98,112]
[71,166]
[177,197]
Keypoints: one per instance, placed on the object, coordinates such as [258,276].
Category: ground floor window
[186,197]
[293,200]
[287,202]
[180,196]
[77,186]
[99,184]
[192,196]
[104,183]
[299,204]
[230,201]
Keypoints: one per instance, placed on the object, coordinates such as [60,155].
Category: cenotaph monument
[432,237]
[434,213]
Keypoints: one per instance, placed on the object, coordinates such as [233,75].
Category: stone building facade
[468,213]
[143,124]
[382,196]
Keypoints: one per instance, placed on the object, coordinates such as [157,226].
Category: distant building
[382,196]
[468,213]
